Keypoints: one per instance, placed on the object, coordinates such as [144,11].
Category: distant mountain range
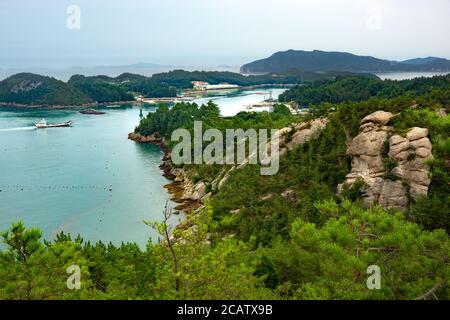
[321,61]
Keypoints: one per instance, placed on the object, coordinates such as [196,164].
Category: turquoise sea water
[235,101]
[88,179]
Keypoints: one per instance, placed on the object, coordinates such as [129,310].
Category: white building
[201,85]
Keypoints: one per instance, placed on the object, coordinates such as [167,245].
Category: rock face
[407,171]
[25,86]
[411,153]
[196,192]
[378,117]
[290,137]
[302,133]
[153,139]
[187,194]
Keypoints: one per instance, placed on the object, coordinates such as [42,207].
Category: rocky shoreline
[180,185]
[192,195]
[393,168]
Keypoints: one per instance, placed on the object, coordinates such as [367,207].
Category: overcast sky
[213,32]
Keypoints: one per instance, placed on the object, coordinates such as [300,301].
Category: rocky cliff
[393,168]
[183,190]
[190,195]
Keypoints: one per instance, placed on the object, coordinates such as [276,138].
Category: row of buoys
[49,146]
[8,148]
[29,188]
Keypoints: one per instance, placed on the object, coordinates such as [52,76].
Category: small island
[92,112]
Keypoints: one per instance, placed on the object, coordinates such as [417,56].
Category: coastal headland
[179,185]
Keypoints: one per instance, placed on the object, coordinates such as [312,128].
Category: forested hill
[100,89]
[33,89]
[315,61]
[182,79]
[358,88]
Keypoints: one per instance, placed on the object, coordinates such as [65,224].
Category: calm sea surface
[87,179]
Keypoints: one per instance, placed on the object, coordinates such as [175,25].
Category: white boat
[43,124]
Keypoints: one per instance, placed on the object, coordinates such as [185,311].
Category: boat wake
[17,129]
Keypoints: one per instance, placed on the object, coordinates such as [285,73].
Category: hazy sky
[213,32]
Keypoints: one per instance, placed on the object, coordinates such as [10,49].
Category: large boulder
[379,117]
[306,131]
[421,143]
[393,195]
[417,133]
[414,170]
[198,191]
[366,148]
[367,143]
[409,155]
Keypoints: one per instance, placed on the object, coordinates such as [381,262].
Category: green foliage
[32,89]
[281,109]
[253,242]
[205,271]
[22,242]
[182,79]
[30,270]
[28,88]
[100,90]
[314,262]
[359,88]
[330,262]
[432,212]
[389,164]
[165,120]
[315,168]
[355,191]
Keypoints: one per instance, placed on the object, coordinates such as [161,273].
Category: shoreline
[60,107]
[177,188]
[189,93]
